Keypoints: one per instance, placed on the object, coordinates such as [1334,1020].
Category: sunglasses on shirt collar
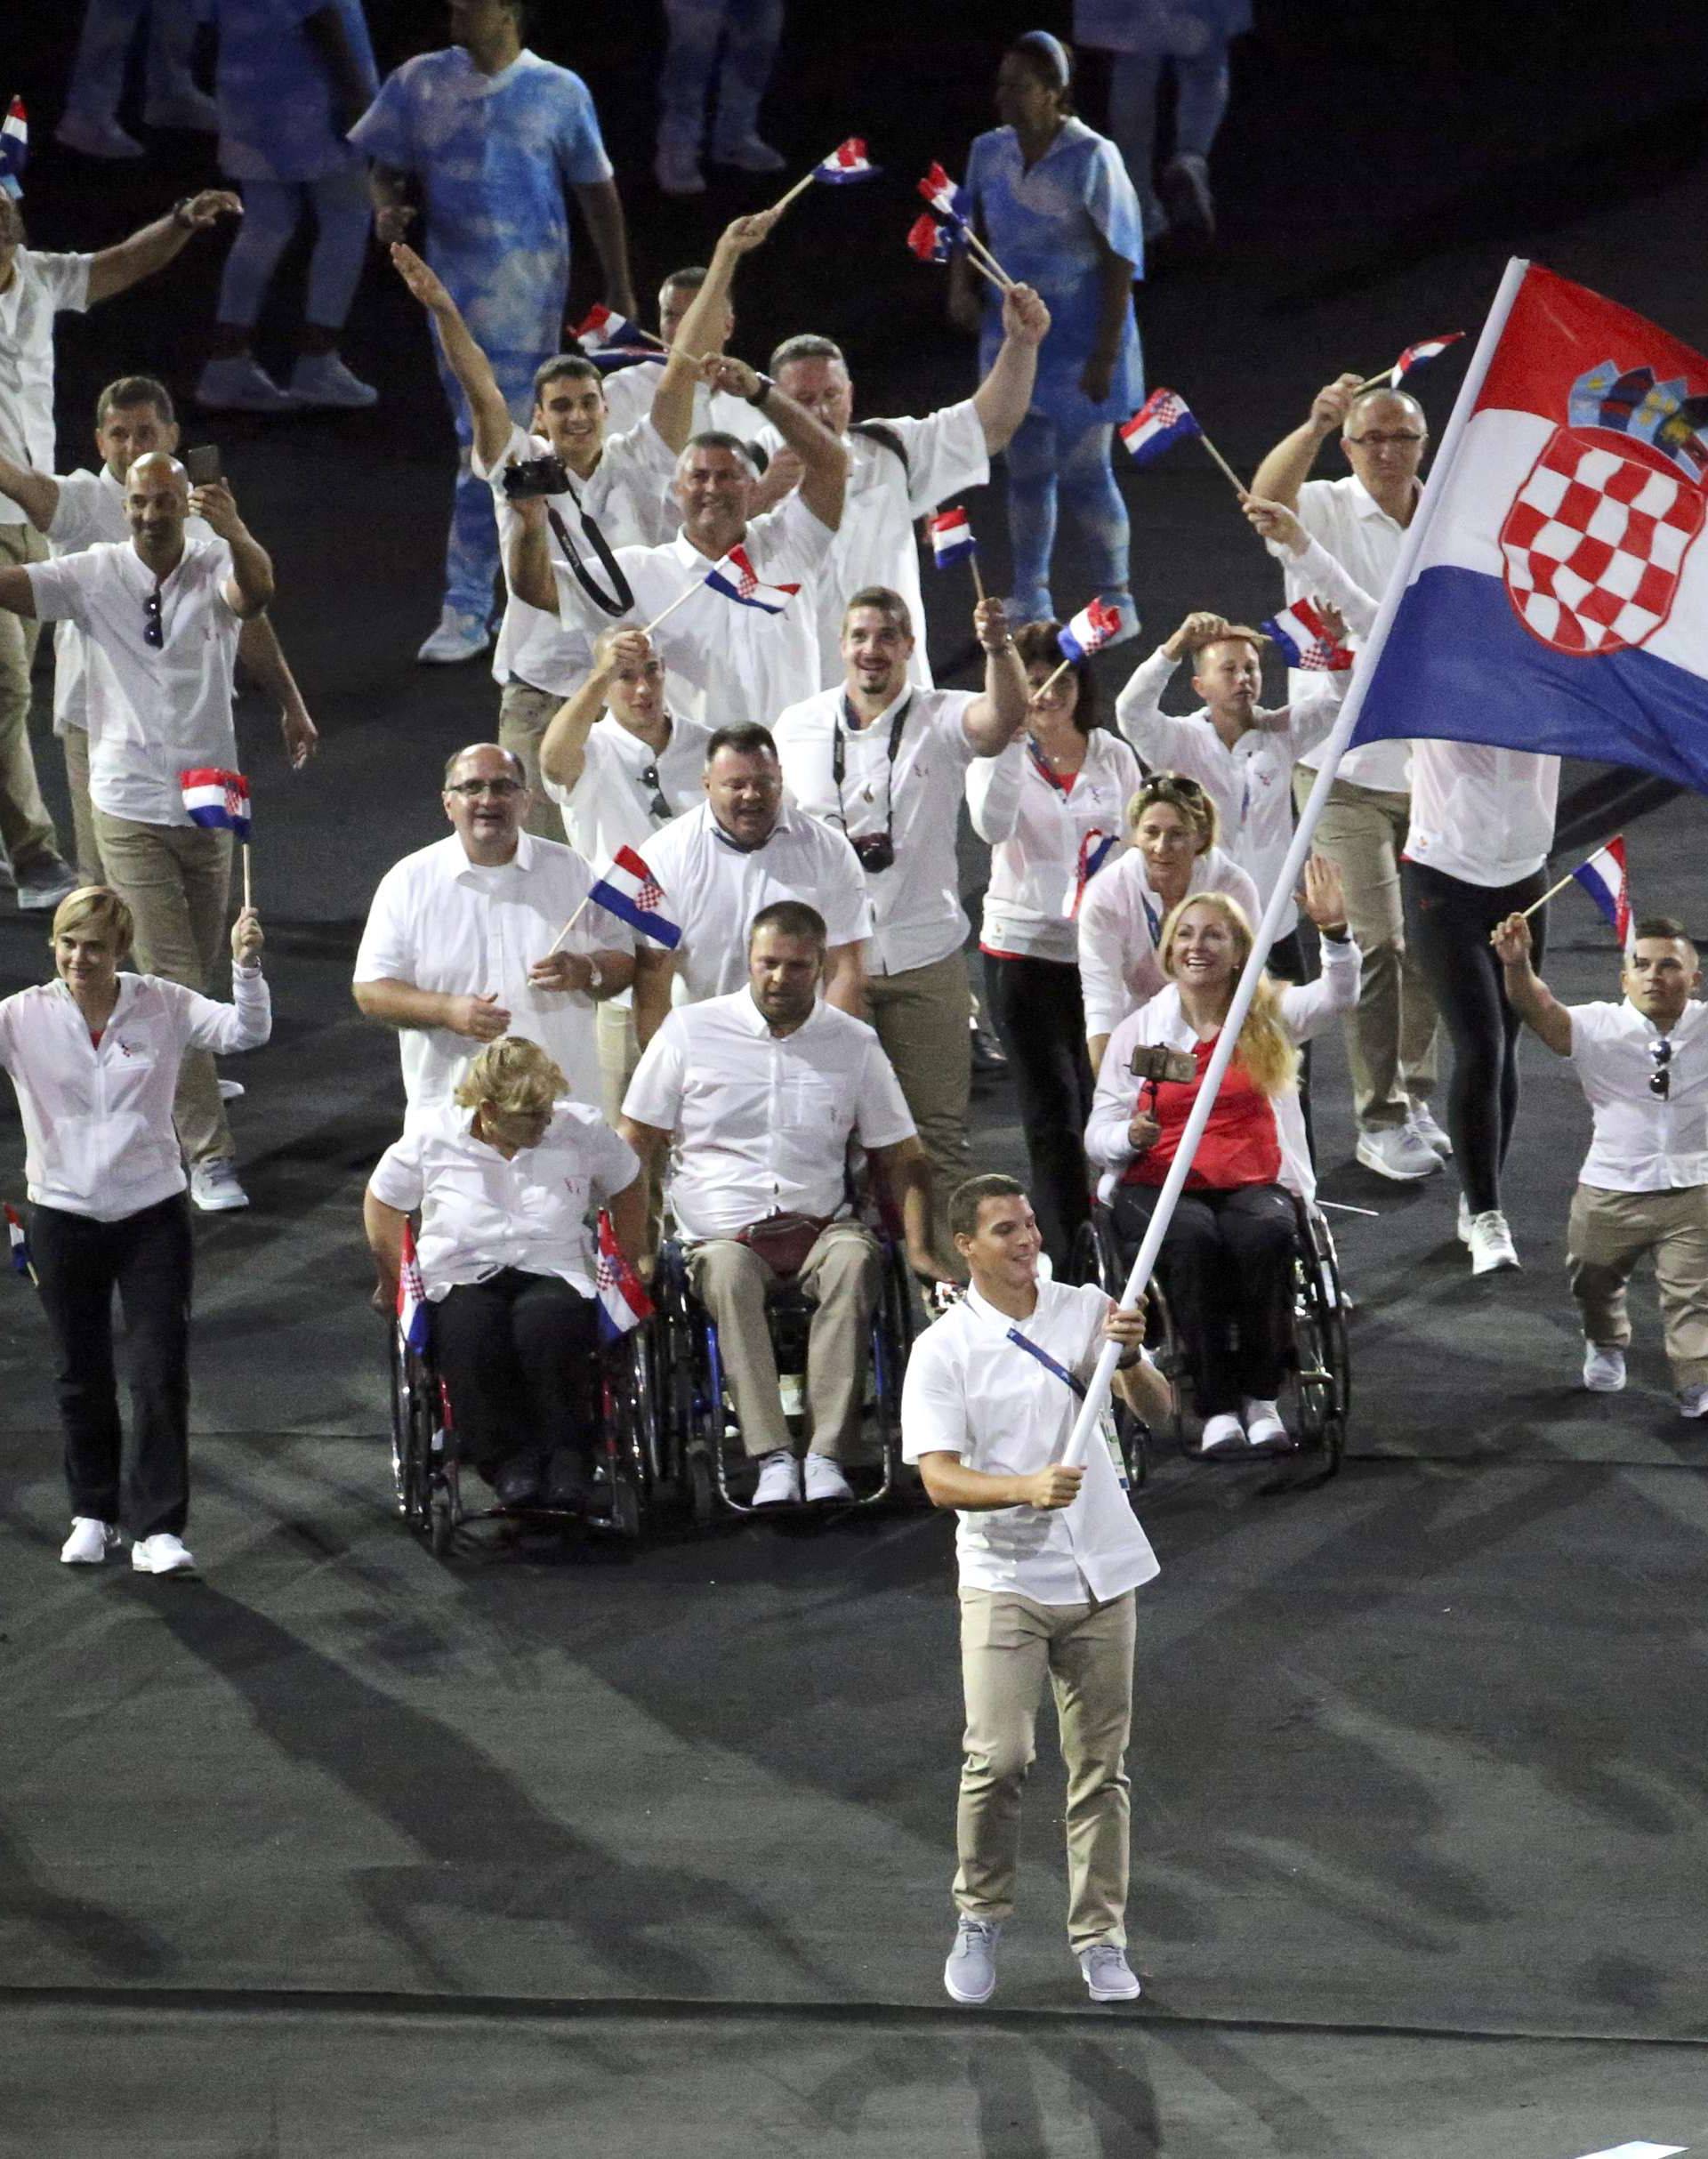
[153,631]
[1660,1080]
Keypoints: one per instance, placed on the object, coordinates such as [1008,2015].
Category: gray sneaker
[970,1975]
[1108,1975]
[44,884]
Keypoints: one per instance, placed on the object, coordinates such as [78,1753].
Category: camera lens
[876,851]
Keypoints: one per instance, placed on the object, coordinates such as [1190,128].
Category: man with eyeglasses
[1643,1066]
[488,933]
[1361,520]
[160,616]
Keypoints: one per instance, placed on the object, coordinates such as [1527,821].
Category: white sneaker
[1422,1120]
[162,1554]
[749,154]
[779,1481]
[81,131]
[1263,1425]
[1108,1975]
[1604,1369]
[677,170]
[823,1478]
[241,383]
[1461,1227]
[1222,1435]
[1491,1243]
[1397,1151]
[458,637]
[184,107]
[213,1186]
[231,1090]
[970,1975]
[322,378]
[89,1542]
[1693,1401]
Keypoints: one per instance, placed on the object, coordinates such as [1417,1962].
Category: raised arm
[113,268]
[17,596]
[563,747]
[1165,744]
[249,589]
[35,493]
[824,461]
[467,362]
[1000,399]
[993,721]
[1324,574]
[1287,467]
[702,330]
[602,207]
[1529,994]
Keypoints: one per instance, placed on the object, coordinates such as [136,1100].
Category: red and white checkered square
[1593,545]
[650,898]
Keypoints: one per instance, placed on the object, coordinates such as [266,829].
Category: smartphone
[203,464]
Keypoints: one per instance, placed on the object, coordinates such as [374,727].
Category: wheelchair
[628,1464]
[1321,1358]
[697,1417]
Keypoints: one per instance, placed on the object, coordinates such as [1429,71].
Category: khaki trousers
[619,1053]
[176,879]
[82,810]
[1008,1644]
[1391,1037]
[1606,1235]
[920,1016]
[524,714]
[843,1275]
[26,830]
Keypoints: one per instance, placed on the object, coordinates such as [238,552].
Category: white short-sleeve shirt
[481,1212]
[971,1390]
[762,1121]
[714,888]
[1365,541]
[153,711]
[914,796]
[1642,1143]
[614,802]
[42,286]
[439,922]
[629,392]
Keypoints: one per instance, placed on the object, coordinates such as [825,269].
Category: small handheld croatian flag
[1090,631]
[623,1301]
[846,162]
[18,1243]
[737,579]
[1603,878]
[945,194]
[411,1297]
[1163,420]
[1303,637]
[216,800]
[952,539]
[629,890]
[929,240]
[1414,355]
[14,148]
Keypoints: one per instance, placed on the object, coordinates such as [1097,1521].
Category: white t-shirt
[439,922]
[714,888]
[1642,1143]
[1365,541]
[971,1390]
[153,711]
[627,498]
[42,287]
[481,1212]
[1120,922]
[1044,840]
[916,911]
[762,1121]
[875,542]
[1482,815]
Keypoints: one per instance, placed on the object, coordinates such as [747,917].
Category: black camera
[537,476]
[876,849]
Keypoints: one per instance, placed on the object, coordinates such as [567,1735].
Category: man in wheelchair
[762,1091]
[503,1180]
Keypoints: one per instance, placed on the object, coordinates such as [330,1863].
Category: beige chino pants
[25,829]
[1606,1235]
[920,1016]
[524,714]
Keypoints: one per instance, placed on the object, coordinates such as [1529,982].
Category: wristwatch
[178,218]
[761,390]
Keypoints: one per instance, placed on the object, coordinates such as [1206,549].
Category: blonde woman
[1225,1263]
[94,1058]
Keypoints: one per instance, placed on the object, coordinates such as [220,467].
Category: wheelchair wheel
[442,1523]
[1085,1264]
[1321,1347]
[702,1489]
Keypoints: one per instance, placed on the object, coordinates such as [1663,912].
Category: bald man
[159,614]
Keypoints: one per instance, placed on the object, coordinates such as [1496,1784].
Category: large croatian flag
[1556,600]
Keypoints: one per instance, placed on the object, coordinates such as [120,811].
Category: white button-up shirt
[42,286]
[744,663]
[1120,922]
[1365,541]
[1307,1008]
[763,1120]
[972,1392]
[627,496]
[1043,838]
[481,1212]
[1251,779]
[916,910]
[1482,815]
[611,805]
[98,1129]
[153,711]
[629,392]
[875,543]
[714,888]
[439,922]
[1641,1143]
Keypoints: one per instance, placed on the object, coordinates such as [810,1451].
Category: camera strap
[620,600]
[839,764]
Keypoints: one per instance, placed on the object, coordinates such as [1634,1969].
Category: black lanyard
[620,599]
[839,767]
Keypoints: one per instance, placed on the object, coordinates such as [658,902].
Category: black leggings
[515,1353]
[1038,1013]
[1226,1268]
[1447,927]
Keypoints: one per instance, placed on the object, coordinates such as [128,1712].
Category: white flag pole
[1097,1392]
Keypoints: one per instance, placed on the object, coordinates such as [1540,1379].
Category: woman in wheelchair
[504,1182]
[1226,1263]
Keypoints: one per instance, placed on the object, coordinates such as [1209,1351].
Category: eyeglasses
[468,789]
[153,632]
[1660,1080]
[648,777]
[1376,438]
